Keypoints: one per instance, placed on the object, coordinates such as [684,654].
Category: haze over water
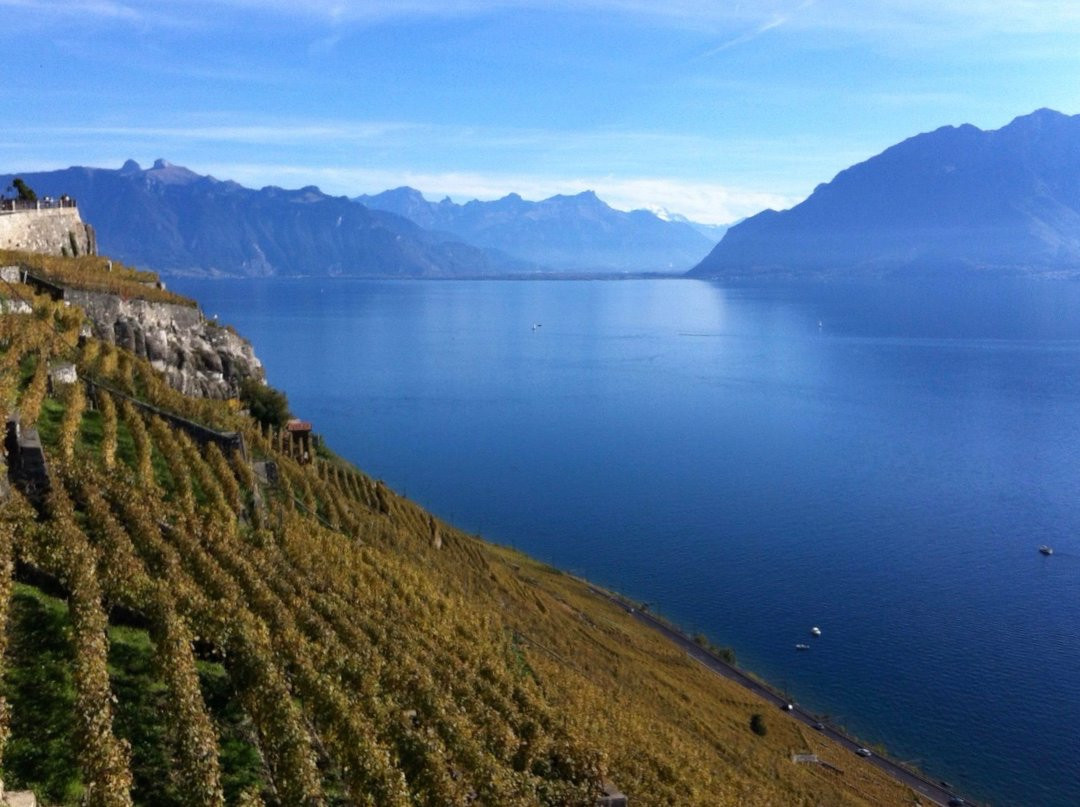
[881,460]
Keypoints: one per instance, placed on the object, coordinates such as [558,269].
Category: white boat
[816,631]
[802,647]
[1046,550]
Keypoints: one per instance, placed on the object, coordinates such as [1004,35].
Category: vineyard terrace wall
[52,231]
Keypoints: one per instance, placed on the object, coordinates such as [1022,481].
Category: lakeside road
[925,788]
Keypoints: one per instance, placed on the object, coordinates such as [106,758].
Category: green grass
[41,754]
[241,765]
[27,367]
[48,424]
[161,469]
[141,716]
[37,684]
[142,719]
[125,446]
[90,433]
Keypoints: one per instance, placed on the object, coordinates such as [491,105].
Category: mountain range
[578,233]
[180,222]
[958,199]
[175,220]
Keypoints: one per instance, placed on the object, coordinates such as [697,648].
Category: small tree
[757,725]
[267,405]
[26,193]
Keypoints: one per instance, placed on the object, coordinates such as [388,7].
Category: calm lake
[880,460]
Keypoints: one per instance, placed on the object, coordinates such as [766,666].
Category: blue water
[887,474]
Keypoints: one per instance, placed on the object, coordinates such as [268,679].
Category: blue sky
[711,109]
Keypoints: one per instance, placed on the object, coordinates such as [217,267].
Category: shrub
[267,405]
[725,653]
[757,725]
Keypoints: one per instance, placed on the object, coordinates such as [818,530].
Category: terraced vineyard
[180,630]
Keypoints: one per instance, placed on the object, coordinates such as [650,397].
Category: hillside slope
[958,199]
[184,624]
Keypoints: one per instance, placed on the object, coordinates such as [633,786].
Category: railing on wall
[45,203]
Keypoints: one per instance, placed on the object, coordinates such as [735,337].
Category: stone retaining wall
[54,231]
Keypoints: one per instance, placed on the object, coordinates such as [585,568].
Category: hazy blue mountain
[566,233]
[1005,201]
[174,220]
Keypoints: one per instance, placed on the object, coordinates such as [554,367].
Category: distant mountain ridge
[958,199]
[713,232]
[174,220]
[578,233]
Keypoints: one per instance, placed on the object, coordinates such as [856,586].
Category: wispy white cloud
[924,23]
[851,15]
[953,17]
[86,14]
[743,21]
[707,202]
[754,33]
[324,45]
[88,8]
[398,135]
[769,24]
[262,134]
[917,98]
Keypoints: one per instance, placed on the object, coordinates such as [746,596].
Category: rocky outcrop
[51,231]
[197,356]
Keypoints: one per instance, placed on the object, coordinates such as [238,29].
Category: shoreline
[919,782]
